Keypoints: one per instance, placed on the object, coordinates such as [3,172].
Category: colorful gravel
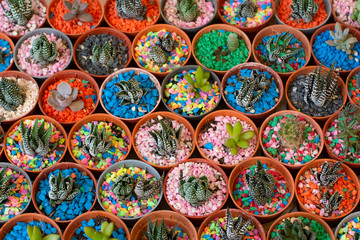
[119,147]
[196,169]
[175,58]
[213,137]
[354,90]
[180,97]
[308,150]
[19,231]
[182,235]
[344,9]
[7,55]
[122,208]
[349,229]
[34,163]
[279,200]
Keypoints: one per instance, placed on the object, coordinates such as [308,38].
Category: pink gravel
[344,9]
[216,183]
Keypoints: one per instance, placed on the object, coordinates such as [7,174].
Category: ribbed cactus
[19,11]
[155,232]
[291,133]
[11,95]
[232,42]
[131,9]
[5,186]
[304,9]
[196,191]
[130,92]
[296,230]
[65,96]
[331,202]
[329,174]
[61,189]
[188,10]
[43,51]
[278,51]
[234,229]
[247,9]
[147,189]
[104,55]
[96,143]
[123,187]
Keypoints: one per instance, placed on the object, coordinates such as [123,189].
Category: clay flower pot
[12,47]
[77,222]
[137,71]
[337,18]
[55,124]
[173,117]
[99,31]
[349,173]
[234,213]
[18,74]
[305,71]
[278,29]
[351,75]
[346,222]
[44,175]
[28,217]
[171,219]
[227,113]
[225,27]
[300,214]
[99,117]
[260,67]
[66,75]
[270,163]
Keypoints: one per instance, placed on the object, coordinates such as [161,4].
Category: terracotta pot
[344,221]
[98,31]
[76,223]
[163,114]
[155,28]
[234,213]
[211,117]
[225,27]
[352,74]
[47,119]
[12,46]
[246,164]
[170,218]
[76,35]
[307,119]
[44,174]
[348,172]
[28,217]
[246,29]
[251,66]
[337,19]
[278,29]
[197,160]
[18,74]
[130,34]
[97,117]
[301,214]
[61,76]
[305,71]
[136,71]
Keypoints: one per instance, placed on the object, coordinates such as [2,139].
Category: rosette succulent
[131,9]
[329,174]
[65,96]
[155,232]
[130,92]
[96,142]
[5,186]
[234,229]
[77,10]
[188,10]
[103,55]
[237,138]
[296,230]
[106,230]
[247,9]
[34,233]
[304,9]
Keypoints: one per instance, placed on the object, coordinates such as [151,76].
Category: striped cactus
[61,189]
[234,228]
[19,11]
[5,186]
[304,10]
[195,190]
[43,51]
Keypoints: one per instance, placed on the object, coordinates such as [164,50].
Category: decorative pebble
[354,90]
[19,231]
[349,229]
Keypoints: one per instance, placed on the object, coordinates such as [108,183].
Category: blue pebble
[208,145]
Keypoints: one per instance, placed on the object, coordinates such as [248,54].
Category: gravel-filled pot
[348,227]
[98,141]
[353,86]
[120,189]
[31,58]
[187,178]
[346,12]
[117,100]
[7,52]
[184,98]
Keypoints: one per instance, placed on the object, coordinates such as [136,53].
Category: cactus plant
[130,92]
[77,10]
[201,81]
[304,9]
[331,202]
[61,189]
[34,233]
[19,11]
[247,9]
[103,55]
[196,191]
[296,230]
[147,189]
[43,51]
[96,142]
[5,186]
[278,51]
[166,43]
[232,42]
[291,133]
[11,94]
[131,9]
[237,138]
[329,174]
[188,10]
[158,55]
[123,187]
[64,96]
[234,229]
[155,232]
[106,230]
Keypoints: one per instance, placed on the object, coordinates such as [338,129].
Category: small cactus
[196,191]
[131,9]
[237,138]
[232,42]
[104,55]
[43,51]
[11,95]
[5,186]
[247,9]
[19,11]
[158,55]
[291,133]
[304,9]
[188,10]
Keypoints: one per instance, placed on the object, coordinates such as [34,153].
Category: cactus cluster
[61,189]
[5,186]
[304,9]
[65,96]
[196,191]
[130,92]
[34,233]
[237,138]
[278,51]
[43,51]
[331,202]
[232,42]
[247,9]
[296,230]
[96,142]
[234,229]
[11,94]
[77,10]
[291,133]
[131,9]
[188,10]
[155,232]
[103,55]
[19,11]
[201,82]
[329,174]
[159,52]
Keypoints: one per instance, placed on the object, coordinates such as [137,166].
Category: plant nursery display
[6,53]
[347,12]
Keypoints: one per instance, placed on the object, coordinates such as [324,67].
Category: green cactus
[296,230]
[247,9]
[329,174]
[43,51]
[196,191]
[147,189]
[11,94]
[61,189]
[291,133]
[201,82]
[155,232]
[19,11]
[188,10]
[131,9]
[123,187]
[5,186]
[34,233]
[304,9]
[331,202]
[158,55]
[130,92]
[103,55]
[77,10]
[234,229]
[96,142]
[237,138]
[232,42]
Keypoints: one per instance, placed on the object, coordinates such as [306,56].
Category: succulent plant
[196,191]
[234,229]
[131,9]
[19,11]
[304,9]
[130,92]
[167,140]
[166,43]
[147,189]
[77,10]
[11,94]
[356,13]
[123,187]
[188,10]
[232,42]
[261,184]
[155,232]
[5,186]
[237,138]
[201,81]
[291,133]
[43,51]
[343,40]
[331,202]
[103,55]
[61,189]
[296,230]
[106,230]
[65,96]
[35,140]
[34,233]
[158,55]
[247,9]
[96,142]
[329,174]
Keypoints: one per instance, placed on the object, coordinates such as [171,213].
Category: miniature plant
[65,96]
[5,186]
[201,81]
[123,187]
[11,95]
[247,9]
[237,138]
[103,55]
[167,140]
[188,10]
[167,43]
[320,88]
[155,232]
[356,13]
[35,140]
[130,92]
[195,190]
[261,184]
[158,55]
[304,9]
[234,229]
[131,9]
[232,42]
[146,189]
[329,174]
[342,40]
[61,189]
[296,230]
[19,11]
[291,133]
[278,51]
[34,233]
[77,10]
[331,202]
[106,230]
[43,51]
[96,142]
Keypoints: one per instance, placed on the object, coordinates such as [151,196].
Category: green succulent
[130,92]
[291,133]
[43,51]
[247,9]
[123,187]
[103,55]
[96,142]
[147,188]
[105,233]
[234,229]
[237,138]
[196,191]
[61,189]
[296,230]
[158,55]
[201,81]
[11,94]
[188,10]
[34,233]
[155,232]
[329,174]
[19,11]
[77,10]
[304,9]
[331,202]
[131,9]
[65,96]
[5,186]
